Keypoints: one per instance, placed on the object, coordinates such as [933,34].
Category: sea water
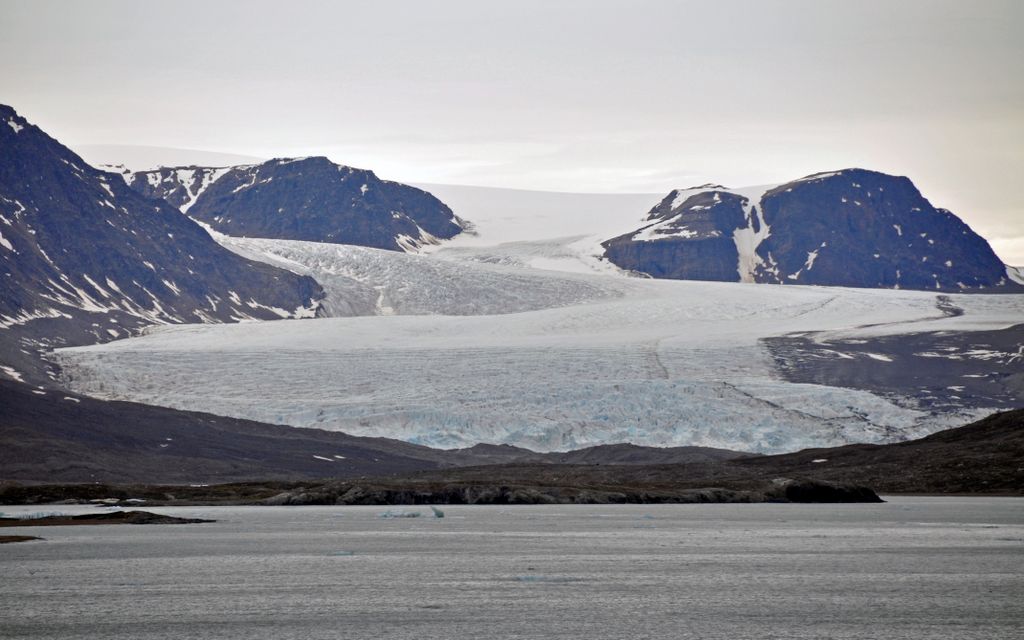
[909,568]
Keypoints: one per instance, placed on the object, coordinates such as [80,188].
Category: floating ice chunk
[819,460]
[38,515]
[398,513]
[437,512]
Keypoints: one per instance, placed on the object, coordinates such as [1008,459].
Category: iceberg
[400,514]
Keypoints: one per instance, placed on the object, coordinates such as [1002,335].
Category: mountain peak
[305,198]
[88,259]
[8,112]
[705,187]
[851,227]
[302,159]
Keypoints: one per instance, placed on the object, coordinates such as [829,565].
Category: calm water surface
[911,568]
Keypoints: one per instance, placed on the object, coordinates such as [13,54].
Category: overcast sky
[570,96]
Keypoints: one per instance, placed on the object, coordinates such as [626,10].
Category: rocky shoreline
[424,490]
[409,493]
[109,517]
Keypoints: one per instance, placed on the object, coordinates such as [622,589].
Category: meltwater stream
[910,568]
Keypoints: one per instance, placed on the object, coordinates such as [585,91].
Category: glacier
[519,333]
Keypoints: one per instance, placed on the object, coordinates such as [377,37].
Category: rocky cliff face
[305,199]
[84,258]
[852,228]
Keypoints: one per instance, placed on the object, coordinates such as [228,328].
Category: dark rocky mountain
[84,258]
[305,199]
[853,228]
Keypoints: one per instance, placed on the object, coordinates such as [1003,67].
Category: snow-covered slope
[365,281]
[541,229]
[1016,274]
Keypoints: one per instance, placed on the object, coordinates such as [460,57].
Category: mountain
[852,228]
[305,199]
[87,259]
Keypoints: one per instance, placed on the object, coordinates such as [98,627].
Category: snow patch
[25,317]
[254,173]
[746,238]
[664,229]
[878,356]
[12,373]
[1016,274]
[100,290]
[811,257]
[172,286]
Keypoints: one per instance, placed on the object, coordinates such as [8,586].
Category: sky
[583,96]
